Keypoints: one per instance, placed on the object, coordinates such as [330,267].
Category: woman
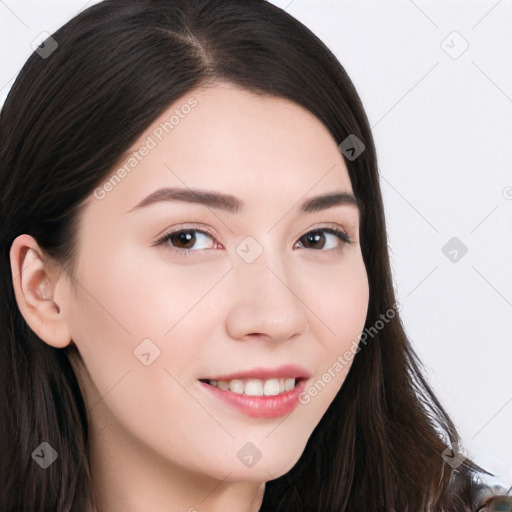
[199,311]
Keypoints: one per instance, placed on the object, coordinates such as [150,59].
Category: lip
[286,371]
[259,406]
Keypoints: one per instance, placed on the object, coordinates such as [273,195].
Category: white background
[442,122]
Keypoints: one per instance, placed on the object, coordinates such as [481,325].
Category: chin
[264,470]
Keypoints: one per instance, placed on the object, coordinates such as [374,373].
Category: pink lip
[287,371]
[260,406]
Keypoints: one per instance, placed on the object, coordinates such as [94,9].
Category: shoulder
[492,494]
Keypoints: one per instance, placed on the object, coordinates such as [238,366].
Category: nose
[265,302]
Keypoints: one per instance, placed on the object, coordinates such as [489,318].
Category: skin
[159,440]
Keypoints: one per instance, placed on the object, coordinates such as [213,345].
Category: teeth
[271,387]
[222,385]
[237,386]
[289,384]
[255,387]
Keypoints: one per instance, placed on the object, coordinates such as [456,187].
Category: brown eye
[318,240]
[182,241]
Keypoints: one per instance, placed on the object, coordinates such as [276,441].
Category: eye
[182,240]
[318,238]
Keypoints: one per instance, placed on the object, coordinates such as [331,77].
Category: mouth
[256,387]
[259,393]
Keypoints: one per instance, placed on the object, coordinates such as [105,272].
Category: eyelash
[340,233]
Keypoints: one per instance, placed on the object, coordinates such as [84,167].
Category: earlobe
[35,285]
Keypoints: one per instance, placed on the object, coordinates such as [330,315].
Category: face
[250,288]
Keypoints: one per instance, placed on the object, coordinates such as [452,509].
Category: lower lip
[261,406]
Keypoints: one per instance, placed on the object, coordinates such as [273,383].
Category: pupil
[185,237]
[314,237]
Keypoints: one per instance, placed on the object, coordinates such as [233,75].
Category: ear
[35,284]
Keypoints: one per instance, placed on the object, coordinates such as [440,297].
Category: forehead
[223,138]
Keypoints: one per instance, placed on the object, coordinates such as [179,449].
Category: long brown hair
[69,118]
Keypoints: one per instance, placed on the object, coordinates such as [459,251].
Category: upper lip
[286,371]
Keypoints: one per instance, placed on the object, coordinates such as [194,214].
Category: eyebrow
[232,204]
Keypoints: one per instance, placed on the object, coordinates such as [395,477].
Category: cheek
[341,304]
[109,321]
[144,294]
[135,305]
[160,292]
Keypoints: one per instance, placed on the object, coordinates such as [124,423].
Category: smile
[256,387]
[261,392]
